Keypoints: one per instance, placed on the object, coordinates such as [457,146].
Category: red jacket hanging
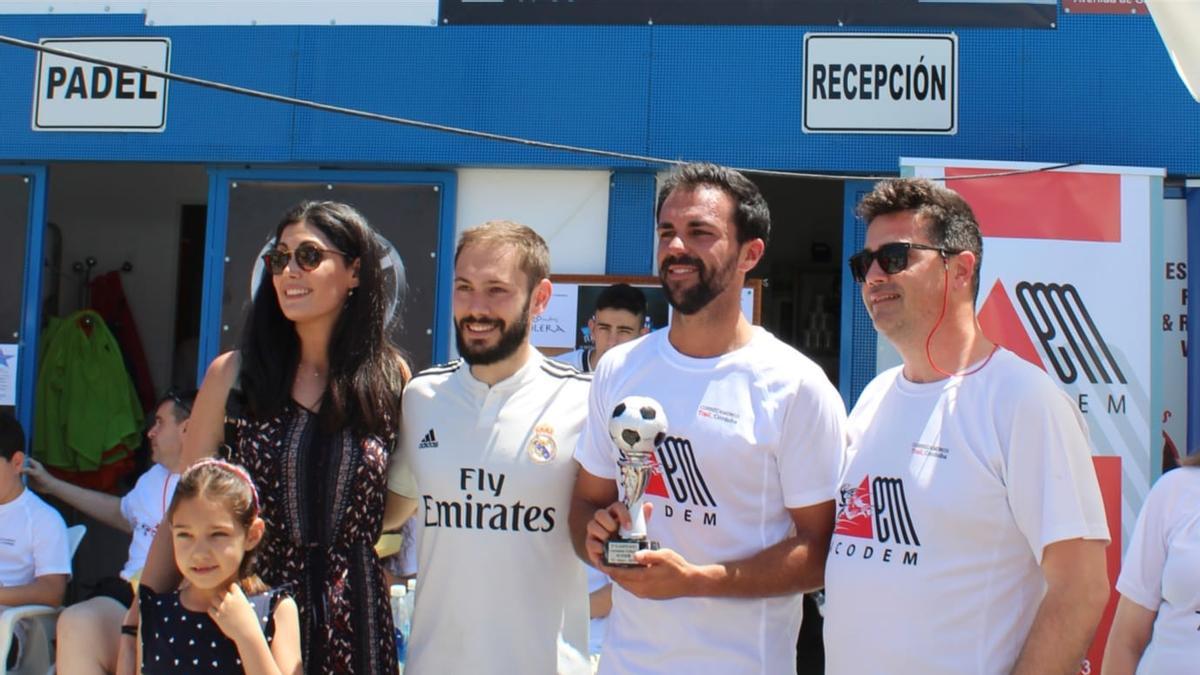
[108,299]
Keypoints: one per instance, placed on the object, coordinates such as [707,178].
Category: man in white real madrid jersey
[488,442]
[970,533]
[743,507]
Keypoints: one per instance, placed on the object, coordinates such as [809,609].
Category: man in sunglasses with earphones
[970,532]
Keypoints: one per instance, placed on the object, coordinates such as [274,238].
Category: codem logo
[681,473]
[877,511]
[1062,325]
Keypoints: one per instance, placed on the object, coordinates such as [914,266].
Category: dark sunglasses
[892,258]
[308,257]
[179,401]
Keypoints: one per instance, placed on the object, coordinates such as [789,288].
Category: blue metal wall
[1098,89]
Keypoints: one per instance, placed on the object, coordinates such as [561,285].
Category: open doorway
[134,220]
[802,268]
[122,264]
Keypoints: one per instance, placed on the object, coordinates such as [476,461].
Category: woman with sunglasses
[313,397]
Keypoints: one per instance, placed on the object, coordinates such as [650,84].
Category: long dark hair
[366,369]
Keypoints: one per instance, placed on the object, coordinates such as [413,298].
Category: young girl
[223,619]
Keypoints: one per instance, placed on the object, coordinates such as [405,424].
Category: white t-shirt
[494,476]
[952,491]
[143,509]
[33,541]
[580,359]
[752,433]
[1162,573]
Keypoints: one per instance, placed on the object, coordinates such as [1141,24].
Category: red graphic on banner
[1108,473]
[854,518]
[1046,205]
[1000,323]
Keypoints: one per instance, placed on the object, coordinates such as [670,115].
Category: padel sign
[76,95]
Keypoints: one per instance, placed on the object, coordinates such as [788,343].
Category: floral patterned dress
[322,498]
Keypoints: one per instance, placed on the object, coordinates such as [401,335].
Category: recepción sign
[75,95]
[873,83]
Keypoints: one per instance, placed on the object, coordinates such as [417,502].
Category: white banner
[1172,326]
[1067,283]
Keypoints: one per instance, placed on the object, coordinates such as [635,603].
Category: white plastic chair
[38,647]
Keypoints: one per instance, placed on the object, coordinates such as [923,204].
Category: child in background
[35,560]
[223,619]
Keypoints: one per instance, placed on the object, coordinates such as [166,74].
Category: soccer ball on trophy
[638,425]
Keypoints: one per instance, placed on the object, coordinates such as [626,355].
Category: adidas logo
[430,440]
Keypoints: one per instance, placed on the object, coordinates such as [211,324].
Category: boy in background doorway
[620,317]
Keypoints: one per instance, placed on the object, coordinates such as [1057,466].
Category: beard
[511,338]
[710,284]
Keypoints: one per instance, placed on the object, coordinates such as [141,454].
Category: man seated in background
[35,560]
[96,622]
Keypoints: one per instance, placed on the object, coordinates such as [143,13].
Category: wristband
[129,630]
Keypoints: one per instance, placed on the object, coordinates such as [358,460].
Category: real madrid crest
[542,447]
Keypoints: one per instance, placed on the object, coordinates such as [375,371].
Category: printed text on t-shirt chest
[480,505]
[930,450]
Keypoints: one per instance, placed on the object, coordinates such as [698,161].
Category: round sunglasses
[308,257]
[892,258]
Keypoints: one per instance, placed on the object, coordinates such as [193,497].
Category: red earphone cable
[938,323]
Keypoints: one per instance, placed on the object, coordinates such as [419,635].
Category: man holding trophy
[738,486]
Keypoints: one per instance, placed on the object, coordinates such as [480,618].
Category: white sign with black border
[74,95]
[880,83]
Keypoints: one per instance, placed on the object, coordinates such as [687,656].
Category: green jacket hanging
[86,402]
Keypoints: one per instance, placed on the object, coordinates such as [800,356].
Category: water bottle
[410,599]
[400,621]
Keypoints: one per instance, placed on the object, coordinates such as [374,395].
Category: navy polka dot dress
[178,640]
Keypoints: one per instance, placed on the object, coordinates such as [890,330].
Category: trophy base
[620,552]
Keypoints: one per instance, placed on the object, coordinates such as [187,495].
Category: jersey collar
[526,374]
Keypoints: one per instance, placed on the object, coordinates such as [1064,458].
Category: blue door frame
[31,292]
[219,181]
[858,338]
[1193,287]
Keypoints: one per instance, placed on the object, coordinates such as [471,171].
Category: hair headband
[235,470]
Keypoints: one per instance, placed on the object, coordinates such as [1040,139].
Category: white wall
[568,208]
[127,212]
